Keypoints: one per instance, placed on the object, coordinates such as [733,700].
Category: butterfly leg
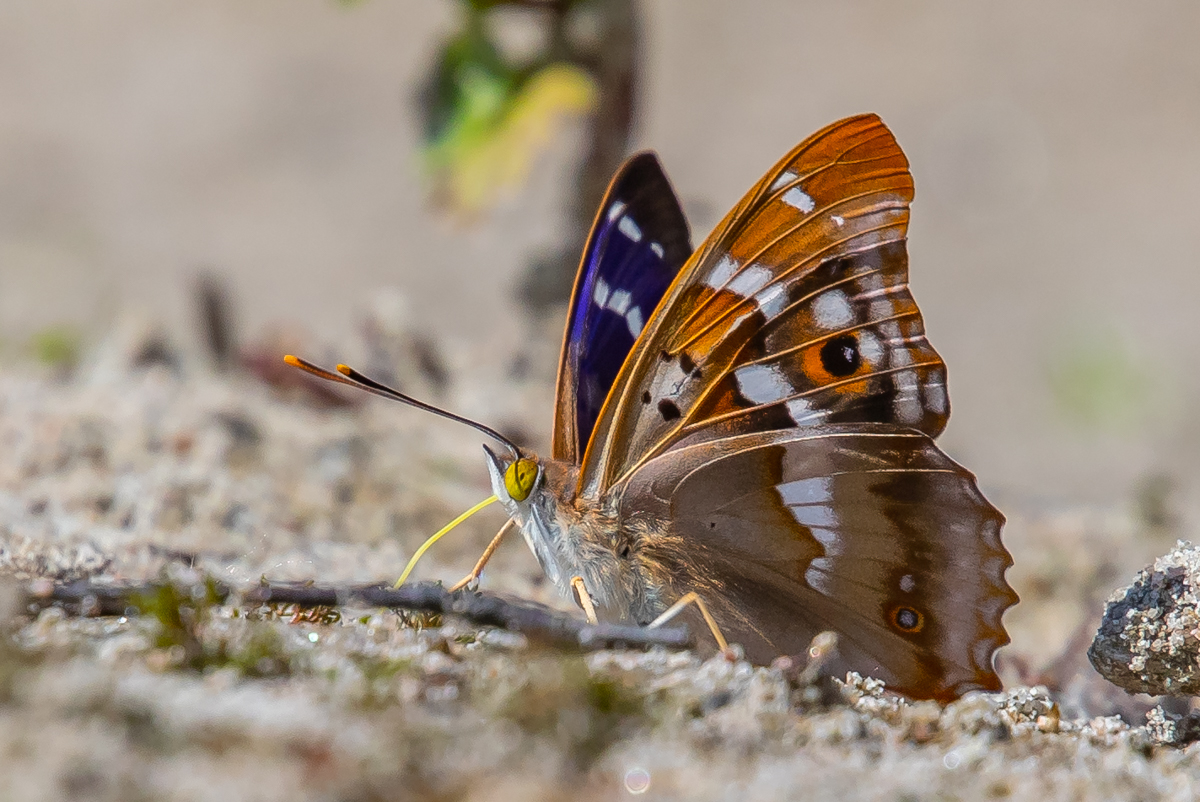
[477,571]
[691,597]
[584,599]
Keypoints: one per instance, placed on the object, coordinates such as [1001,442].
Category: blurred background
[301,171]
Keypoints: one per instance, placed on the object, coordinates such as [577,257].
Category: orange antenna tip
[345,370]
[291,360]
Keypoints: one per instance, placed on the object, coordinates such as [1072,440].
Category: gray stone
[1149,640]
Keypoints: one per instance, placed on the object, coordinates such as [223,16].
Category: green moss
[380,675]
[183,613]
[607,696]
[262,654]
[381,670]
[180,611]
[418,620]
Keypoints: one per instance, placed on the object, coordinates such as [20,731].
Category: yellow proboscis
[425,546]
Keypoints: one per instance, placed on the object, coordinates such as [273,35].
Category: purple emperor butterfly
[753,424]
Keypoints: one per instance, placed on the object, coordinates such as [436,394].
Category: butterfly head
[519,481]
[514,478]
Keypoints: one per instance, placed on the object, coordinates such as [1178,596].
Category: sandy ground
[126,474]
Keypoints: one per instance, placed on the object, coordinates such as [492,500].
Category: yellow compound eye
[519,479]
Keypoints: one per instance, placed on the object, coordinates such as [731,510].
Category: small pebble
[1149,640]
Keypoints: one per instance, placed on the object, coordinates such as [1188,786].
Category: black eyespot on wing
[908,620]
[840,356]
[686,363]
[668,409]
[646,397]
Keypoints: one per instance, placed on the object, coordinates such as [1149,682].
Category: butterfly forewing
[638,243]
[864,530]
[795,312]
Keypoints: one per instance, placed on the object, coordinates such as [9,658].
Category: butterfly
[751,425]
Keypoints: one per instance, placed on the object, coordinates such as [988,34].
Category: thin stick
[425,546]
[691,597]
[481,609]
[477,571]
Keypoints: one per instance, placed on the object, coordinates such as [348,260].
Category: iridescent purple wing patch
[638,244]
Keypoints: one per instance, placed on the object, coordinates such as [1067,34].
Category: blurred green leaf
[1100,381]
[57,346]
[468,86]
[476,167]
[486,119]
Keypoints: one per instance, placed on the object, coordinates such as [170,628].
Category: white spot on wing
[817,490]
[869,282]
[799,198]
[616,211]
[772,300]
[907,583]
[799,410]
[935,397]
[830,539]
[750,281]
[838,220]
[762,384]
[820,515]
[669,381]
[882,308]
[832,310]
[634,318]
[890,329]
[630,229]
[722,272]
[619,302]
[600,293]
[658,249]
[906,404]
[785,178]
[817,579]
[870,348]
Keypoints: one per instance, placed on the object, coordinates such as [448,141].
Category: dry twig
[535,621]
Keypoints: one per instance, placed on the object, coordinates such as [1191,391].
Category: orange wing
[795,312]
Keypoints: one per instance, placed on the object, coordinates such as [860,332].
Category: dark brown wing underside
[869,532]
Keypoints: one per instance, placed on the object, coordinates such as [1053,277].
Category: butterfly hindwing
[638,243]
[861,529]
[795,312]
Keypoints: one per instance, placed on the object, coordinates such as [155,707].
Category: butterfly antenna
[350,376]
